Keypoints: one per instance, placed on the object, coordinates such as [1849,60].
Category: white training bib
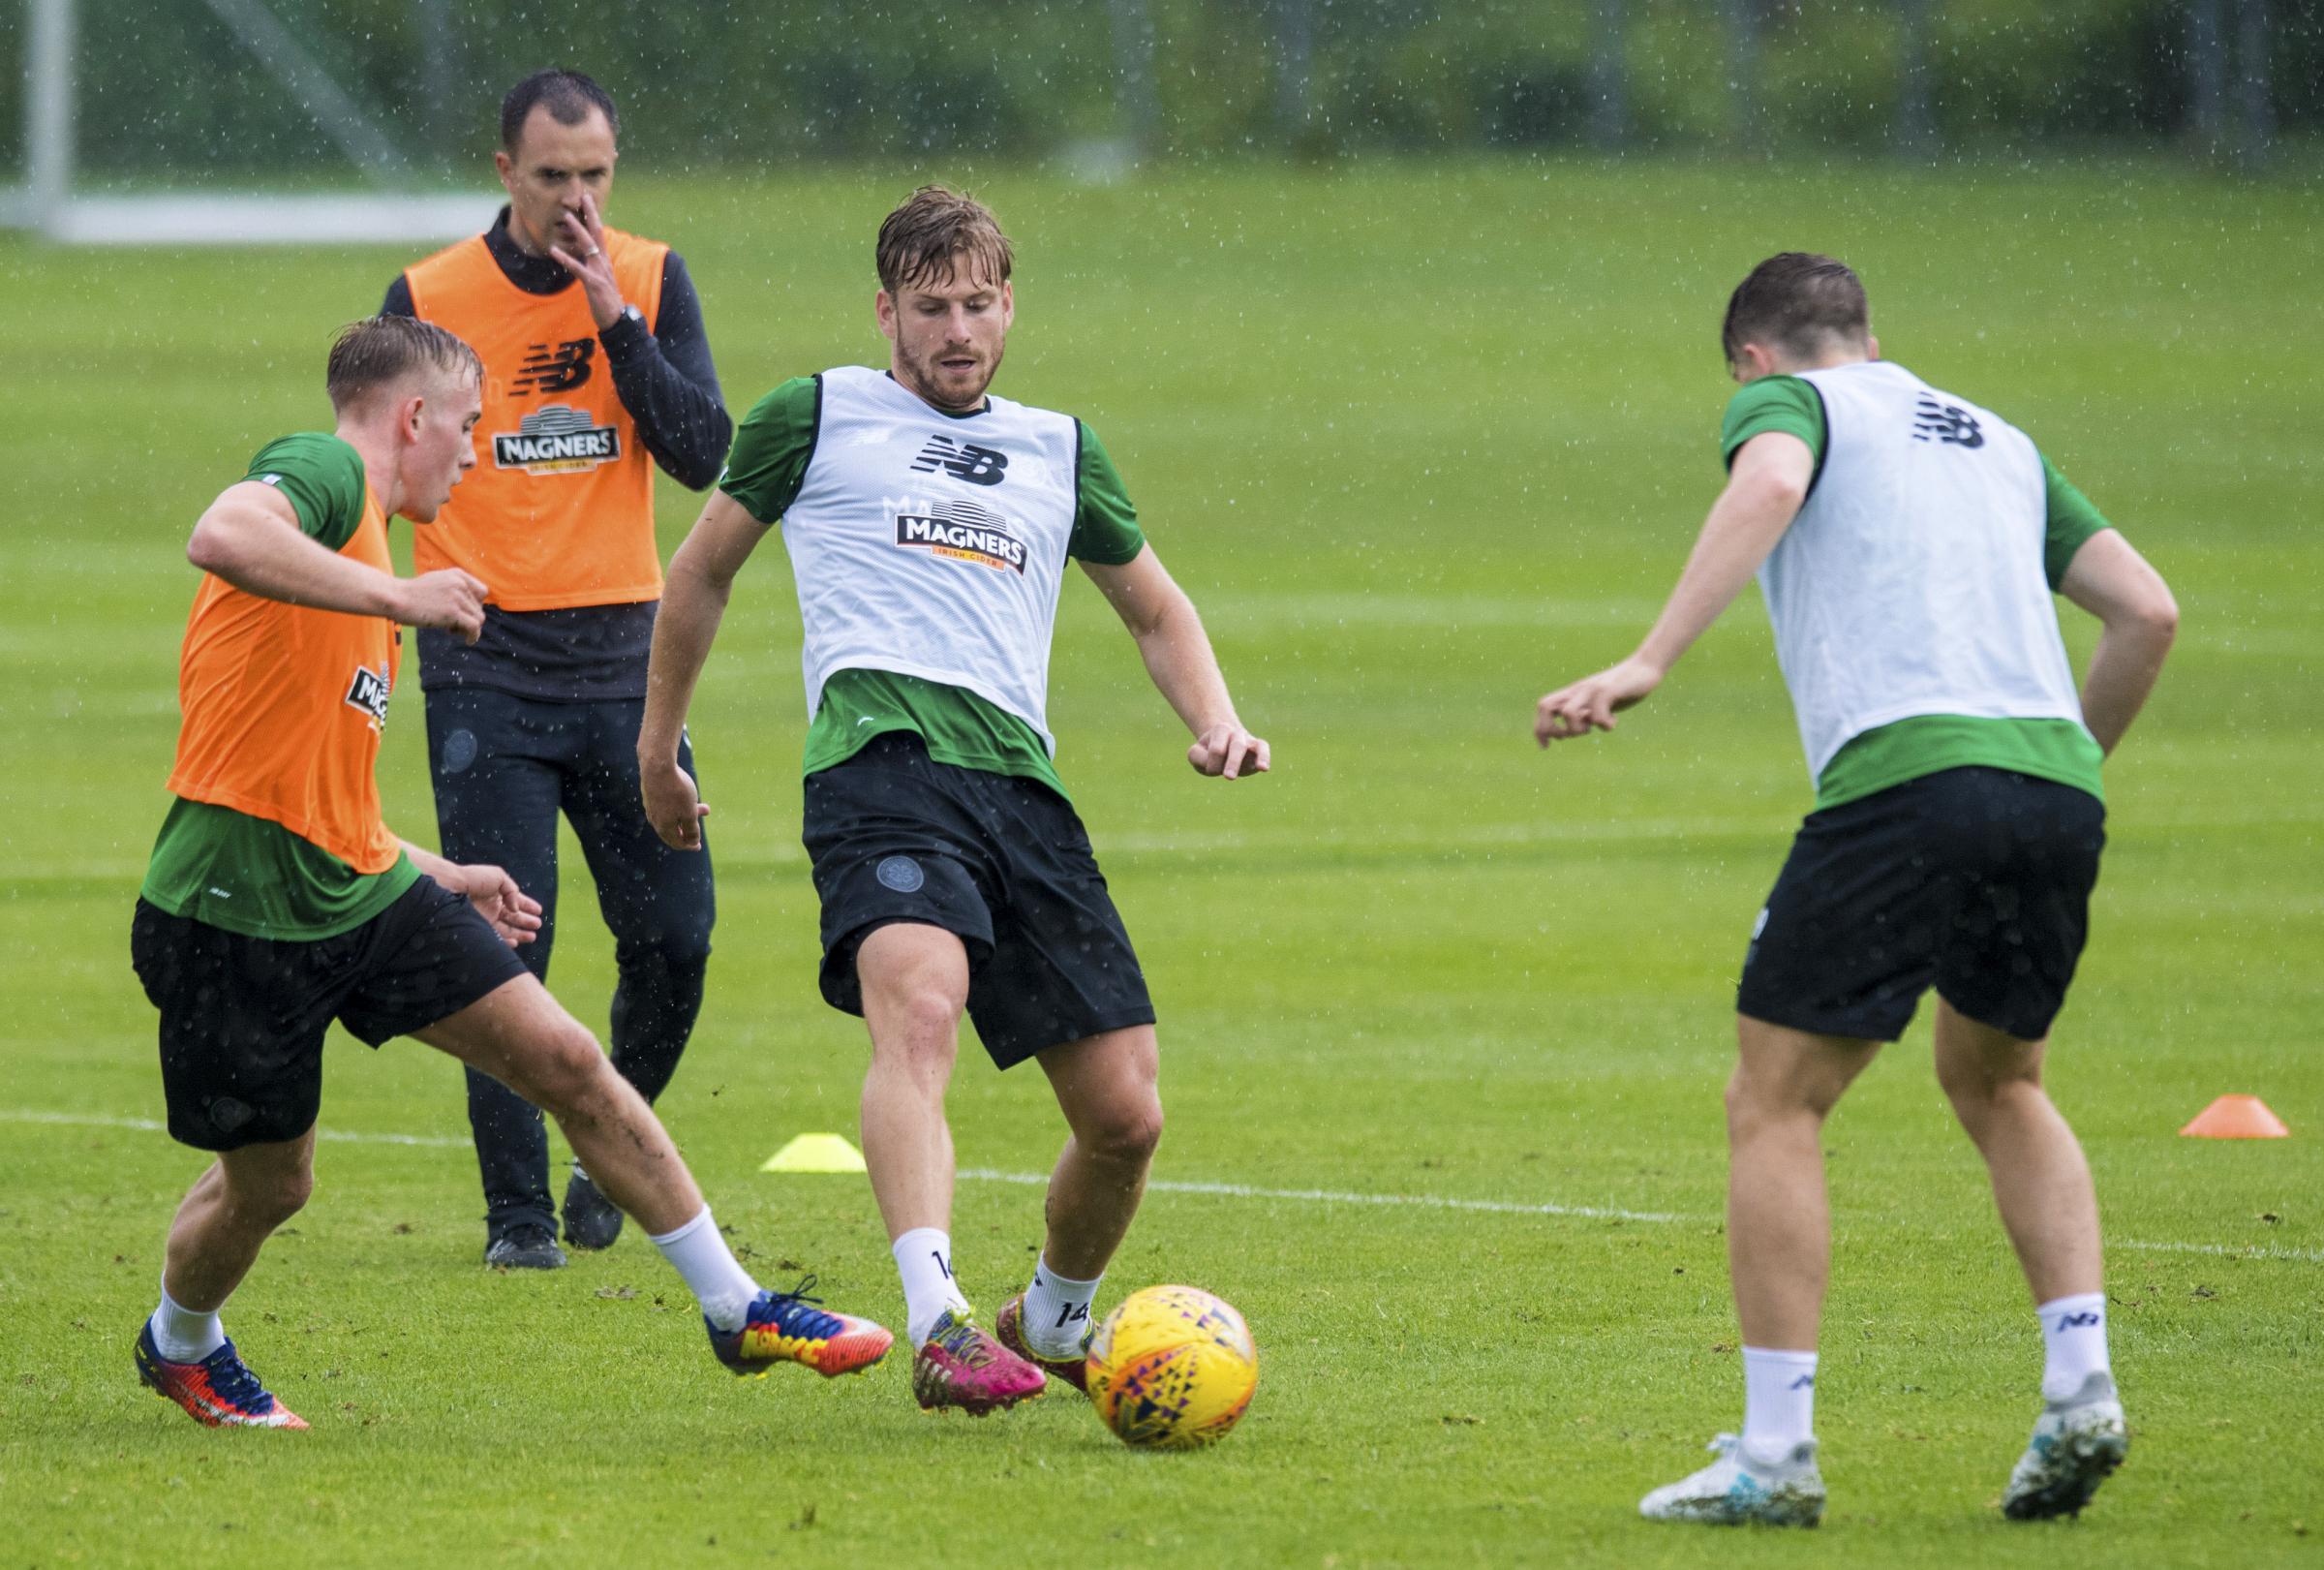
[933,546]
[1911,581]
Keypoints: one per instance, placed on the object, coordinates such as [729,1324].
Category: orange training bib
[558,511]
[282,707]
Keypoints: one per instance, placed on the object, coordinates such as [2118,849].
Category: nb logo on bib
[556,367]
[1946,422]
[961,460]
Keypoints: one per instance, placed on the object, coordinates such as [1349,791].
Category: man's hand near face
[579,244]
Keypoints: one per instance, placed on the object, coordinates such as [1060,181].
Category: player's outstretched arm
[513,913]
[694,601]
[1763,494]
[2108,578]
[250,537]
[1178,656]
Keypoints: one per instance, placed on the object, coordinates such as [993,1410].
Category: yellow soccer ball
[1172,1368]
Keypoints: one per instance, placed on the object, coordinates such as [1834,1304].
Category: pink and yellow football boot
[1009,1331]
[963,1367]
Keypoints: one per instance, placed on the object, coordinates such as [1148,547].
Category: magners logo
[368,692]
[962,532]
[556,439]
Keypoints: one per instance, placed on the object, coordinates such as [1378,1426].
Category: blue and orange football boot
[788,1327]
[1009,1330]
[219,1392]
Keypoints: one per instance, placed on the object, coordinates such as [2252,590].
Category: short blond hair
[381,350]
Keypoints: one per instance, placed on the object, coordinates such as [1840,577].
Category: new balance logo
[555,367]
[2079,1321]
[1806,1381]
[961,460]
[1946,422]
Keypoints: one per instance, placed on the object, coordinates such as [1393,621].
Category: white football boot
[2077,1442]
[1740,1487]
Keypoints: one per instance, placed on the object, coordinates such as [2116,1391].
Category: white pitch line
[1395,839]
[1485,836]
[338,1136]
[2225,1250]
[1220,1191]
[1333,1196]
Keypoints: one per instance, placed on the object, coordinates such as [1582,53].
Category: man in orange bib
[596,368]
[278,901]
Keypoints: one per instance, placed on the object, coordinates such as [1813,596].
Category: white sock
[1056,1311]
[698,1251]
[1779,1400]
[183,1335]
[924,1259]
[2074,1344]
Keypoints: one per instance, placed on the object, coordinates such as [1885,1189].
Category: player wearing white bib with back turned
[1908,543]
[928,525]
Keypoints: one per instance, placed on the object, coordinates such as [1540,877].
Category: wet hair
[381,351]
[1795,301]
[568,95]
[934,232]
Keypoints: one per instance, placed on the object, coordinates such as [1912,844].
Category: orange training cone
[2237,1117]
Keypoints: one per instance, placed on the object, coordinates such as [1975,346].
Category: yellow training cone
[2236,1117]
[817,1152]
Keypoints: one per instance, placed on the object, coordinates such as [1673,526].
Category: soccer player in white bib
[1907,542]
[929,524]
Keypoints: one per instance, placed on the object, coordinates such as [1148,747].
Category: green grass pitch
[1423,441]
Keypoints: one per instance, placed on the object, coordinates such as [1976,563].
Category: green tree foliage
[168,86]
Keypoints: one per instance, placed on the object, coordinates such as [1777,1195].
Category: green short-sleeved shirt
[772,447]
[228,869]
[1773,403]
[1889,754]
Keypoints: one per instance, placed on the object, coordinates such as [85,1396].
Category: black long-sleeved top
[669,388]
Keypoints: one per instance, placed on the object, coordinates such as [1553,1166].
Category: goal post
[44,151]
[367,190]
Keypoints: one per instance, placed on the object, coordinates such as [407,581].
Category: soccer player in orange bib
[278,901]
[596,368]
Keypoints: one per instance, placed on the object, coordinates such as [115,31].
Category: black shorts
[1000,861]
[1976,880]
[243,1018]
